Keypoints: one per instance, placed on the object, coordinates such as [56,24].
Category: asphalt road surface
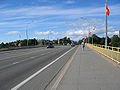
[17,65]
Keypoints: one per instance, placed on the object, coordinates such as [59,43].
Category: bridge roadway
[17,65]
[73,69]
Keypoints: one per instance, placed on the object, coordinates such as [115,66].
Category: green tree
[80,41]
[69,41]
[102,41]
[96,39]
[108,41]
[90,40]
[24,42]
[18,41]
[65,40]
[7,45]
[115,41]
[32,42]
[2,45]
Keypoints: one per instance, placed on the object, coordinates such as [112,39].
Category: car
[72,44]
[50,45]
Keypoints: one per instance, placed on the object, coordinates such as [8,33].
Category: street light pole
[106,30]
[27,34]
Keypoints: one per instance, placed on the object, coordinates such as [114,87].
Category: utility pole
[106,29]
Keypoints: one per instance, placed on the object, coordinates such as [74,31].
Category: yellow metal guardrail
[111,52]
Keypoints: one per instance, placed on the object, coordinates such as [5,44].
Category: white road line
[15,63]
[35,74]
[54,87]
[32,57]
[42,54]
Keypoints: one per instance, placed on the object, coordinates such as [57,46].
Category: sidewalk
[90,71]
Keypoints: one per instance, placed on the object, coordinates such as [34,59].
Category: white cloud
[35,37]
[47,33]
[36,12]
[80,33]
[69,2]
[99,30]
[113,33]
[58,14]
[50,10]
[13,32]
[86,22]
[70,33]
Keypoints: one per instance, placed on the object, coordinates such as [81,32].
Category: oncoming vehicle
[72,44]
[50,45]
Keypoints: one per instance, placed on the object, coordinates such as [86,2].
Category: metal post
[92,38]
[88,34]
[27,31]
[88,39]
[48,36]
[27,34]
[106,29]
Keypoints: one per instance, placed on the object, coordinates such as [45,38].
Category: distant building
[20,44]
[14,43]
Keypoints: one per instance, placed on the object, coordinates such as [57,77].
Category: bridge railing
[111,52]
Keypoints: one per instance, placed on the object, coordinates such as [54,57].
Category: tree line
[33,42]
[19,43]
[113,41]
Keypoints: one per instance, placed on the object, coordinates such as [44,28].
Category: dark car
[72,45]
[50,45]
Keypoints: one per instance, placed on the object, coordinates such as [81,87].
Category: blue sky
[56,18]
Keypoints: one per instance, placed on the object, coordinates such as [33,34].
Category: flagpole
[92,36]
[88,35]
[106,30]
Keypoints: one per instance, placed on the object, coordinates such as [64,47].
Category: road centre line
[15,63]
[38,72]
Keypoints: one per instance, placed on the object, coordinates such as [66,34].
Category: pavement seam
[55,85]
